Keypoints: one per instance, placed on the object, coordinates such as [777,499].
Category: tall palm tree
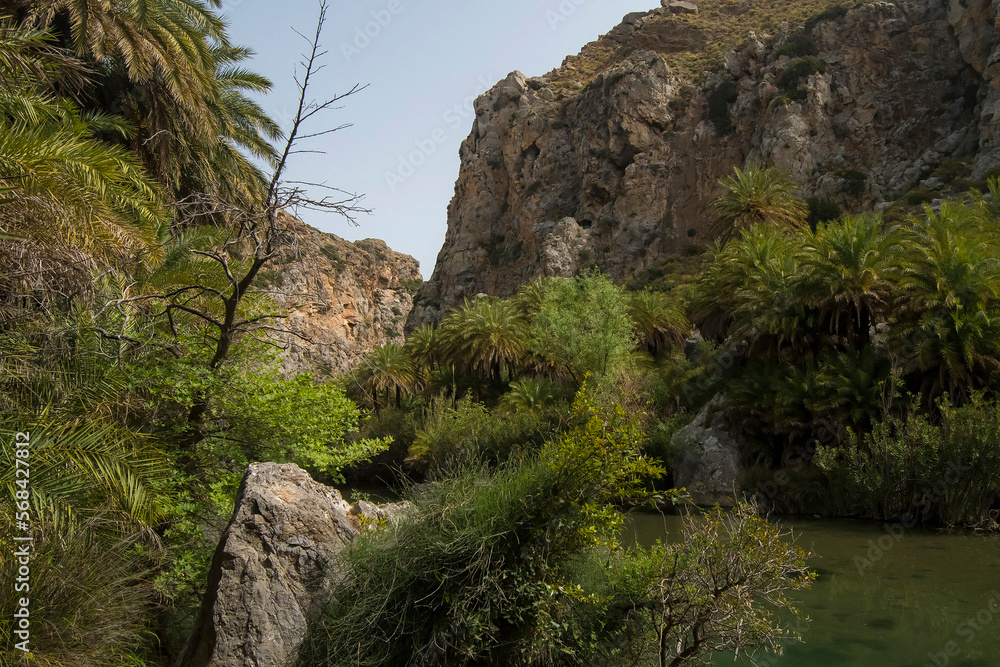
[953,281]
[486,335]
[387,368]
[854,274]
[59,183]
[757,196]
[749,294]
[658,320]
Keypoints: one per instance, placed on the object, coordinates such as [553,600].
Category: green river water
[921,598]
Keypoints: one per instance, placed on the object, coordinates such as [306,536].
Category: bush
[90,604]
[798,70]
[453,439]
[522,567]
[822,210]
[920,195]
[854,181]
[797,47]
[825,15]
[912,468]
[718,107]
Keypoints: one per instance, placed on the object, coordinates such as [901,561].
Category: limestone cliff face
[343,299]
[614,164]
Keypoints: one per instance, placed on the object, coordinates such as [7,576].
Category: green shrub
[912,468]
[522,567]
[854,182]
[920,195]
[797,47]
[792,75]
[90,603]
[411,285]
[718,107]
[825,15]
[822,210]
[336,261]
[470,434]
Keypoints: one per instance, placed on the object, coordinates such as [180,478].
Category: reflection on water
[883,598]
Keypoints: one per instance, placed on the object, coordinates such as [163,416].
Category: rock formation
[343,299]
[274,568]
[709,457]
[613,159]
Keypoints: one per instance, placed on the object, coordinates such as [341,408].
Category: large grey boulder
[708,457]
[681,6]
[273,571]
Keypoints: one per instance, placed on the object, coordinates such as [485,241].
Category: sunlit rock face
[343,299]
[615,164]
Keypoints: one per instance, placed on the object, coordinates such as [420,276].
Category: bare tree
[248,237]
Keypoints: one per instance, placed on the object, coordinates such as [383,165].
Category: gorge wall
[613,159]
[343,299]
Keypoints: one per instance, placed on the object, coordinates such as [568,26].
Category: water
[923,598]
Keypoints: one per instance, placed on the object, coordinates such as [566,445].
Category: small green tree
[583,326]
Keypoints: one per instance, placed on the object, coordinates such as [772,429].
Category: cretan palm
[487,336]
[59,184]
[854,272]
[386,369]
[954,285]
[660,323]
[757,196]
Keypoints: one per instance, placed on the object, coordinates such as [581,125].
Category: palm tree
[953,281]
[59,184]
[659,322]
[387,368]
[854,274]
[757,196]
[749,295]
[487,335]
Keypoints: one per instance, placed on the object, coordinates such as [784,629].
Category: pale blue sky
[427,61]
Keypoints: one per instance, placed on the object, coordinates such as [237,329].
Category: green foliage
[89,603]
[480,571]
[411,286]
[797,47]
[822,210]
[854,182]
[336,261]
[298,420]
[914,469]
[522,566]
[792,75]
[826,15]
[487,335]
[921,195]
[582,326]
[471,435]
[719,101]
[757,195]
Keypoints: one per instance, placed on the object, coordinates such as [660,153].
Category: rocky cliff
[613,159]
[343,299]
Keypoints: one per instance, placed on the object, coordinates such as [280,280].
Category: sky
[424,62]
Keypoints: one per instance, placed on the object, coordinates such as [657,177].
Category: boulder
[273,571]
[681,6]
[708,457]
